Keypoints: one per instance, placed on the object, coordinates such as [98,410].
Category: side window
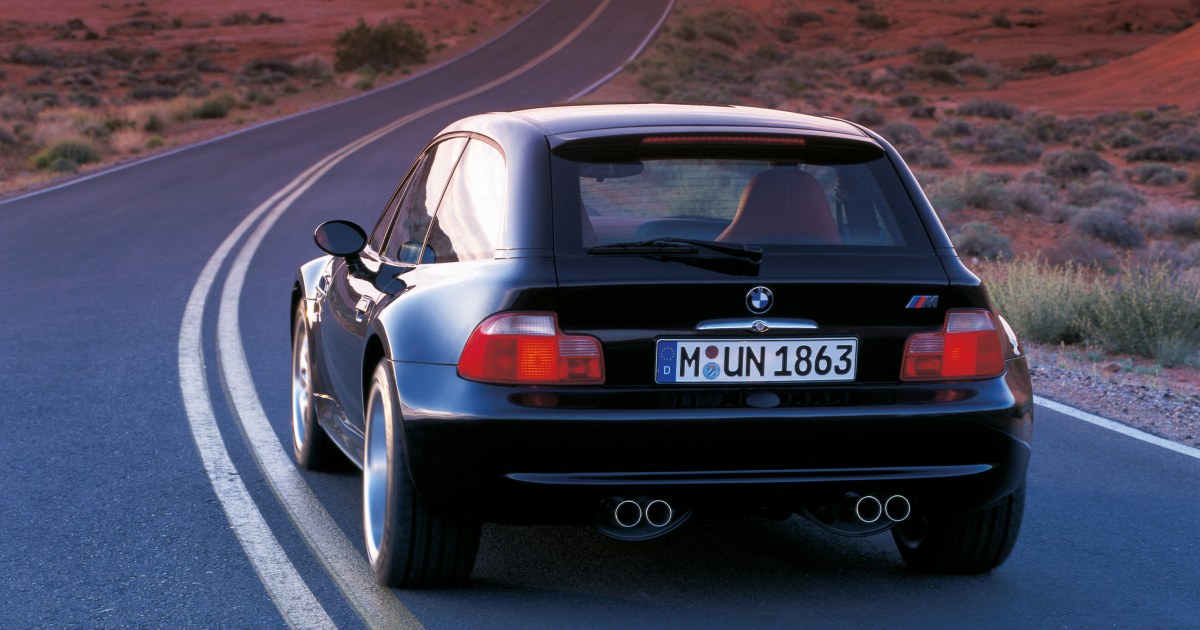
[379,234]
[471,214]
[419,201]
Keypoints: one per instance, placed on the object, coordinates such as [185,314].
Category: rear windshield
[803,199]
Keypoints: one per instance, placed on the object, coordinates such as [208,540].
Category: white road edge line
[333,549]
[287,590]
[1111,425]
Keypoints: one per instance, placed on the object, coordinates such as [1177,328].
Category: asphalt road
[109,519]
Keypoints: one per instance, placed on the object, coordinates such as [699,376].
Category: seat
[782,205]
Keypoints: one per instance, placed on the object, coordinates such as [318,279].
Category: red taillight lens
[967,346]
[529,349]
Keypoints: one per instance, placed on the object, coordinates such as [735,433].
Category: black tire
[962,543]
[408,544]
[311,446]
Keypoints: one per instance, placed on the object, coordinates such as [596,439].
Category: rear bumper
[482,450]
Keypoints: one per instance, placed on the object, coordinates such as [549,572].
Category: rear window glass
[802,201]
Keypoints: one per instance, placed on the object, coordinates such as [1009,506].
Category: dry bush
[127,141]
[982,240]
[988,109]
[1150,310]
[1043,302]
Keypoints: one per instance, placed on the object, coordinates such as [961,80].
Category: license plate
[756,361]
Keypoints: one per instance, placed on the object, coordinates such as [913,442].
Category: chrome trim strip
[747,324]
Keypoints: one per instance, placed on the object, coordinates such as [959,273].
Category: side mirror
[340,238]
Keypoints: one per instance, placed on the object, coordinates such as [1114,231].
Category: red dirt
[1166,73]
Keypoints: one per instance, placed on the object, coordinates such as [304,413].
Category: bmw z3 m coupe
[628,315]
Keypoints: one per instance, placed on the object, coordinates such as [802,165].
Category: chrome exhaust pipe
[626,513]
[868,509]
[897,508]
[658,513]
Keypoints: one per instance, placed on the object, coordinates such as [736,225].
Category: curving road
[143,338]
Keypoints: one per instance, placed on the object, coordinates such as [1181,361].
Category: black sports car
[627,315]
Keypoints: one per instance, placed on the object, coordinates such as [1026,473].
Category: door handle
[363,309]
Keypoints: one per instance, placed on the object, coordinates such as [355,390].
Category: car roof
[575,119]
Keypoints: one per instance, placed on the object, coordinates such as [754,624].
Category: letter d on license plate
[756,361]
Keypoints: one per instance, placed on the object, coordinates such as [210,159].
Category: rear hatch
[738,262]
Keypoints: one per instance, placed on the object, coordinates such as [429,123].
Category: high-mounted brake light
[527,348]
[967,346]
[726,139]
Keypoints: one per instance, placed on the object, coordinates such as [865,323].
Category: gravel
[1161,401]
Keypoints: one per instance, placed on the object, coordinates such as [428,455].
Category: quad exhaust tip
[897,508]
[626,513]
[870,509]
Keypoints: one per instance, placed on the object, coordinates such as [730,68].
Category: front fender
[308,287]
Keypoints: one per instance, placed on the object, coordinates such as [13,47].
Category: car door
[355,291]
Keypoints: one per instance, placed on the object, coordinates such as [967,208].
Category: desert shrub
[1040,62]
[215,107]
[923,111]
[314,68]
[867,115]
[952,128]
[242,18]
[1001,21]
[726,26]
[1042,302]
[985,191]
[385,46]
[1071,165]
[939,54]
[1156,174]
[30,56]
[1167,218]
[153,92]
[1077,249]
[1107,224]
[872,20]
[982,240]
[75,151]
[154,142]
[927,156]
[937,74]
[800,18]
[907,100]
[1164,152]
[1099,189]
[1028,196]
[988,109]
[1194,185]
[1004,144]
[900,134]
[266,72]
[1047,128]
[154,124]
[687,31]
[1149,310]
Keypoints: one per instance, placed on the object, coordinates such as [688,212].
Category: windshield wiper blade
[671,246]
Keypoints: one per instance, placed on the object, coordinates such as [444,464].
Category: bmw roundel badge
[760,300]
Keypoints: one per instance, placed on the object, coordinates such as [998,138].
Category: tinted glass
[419,201]
[469,219]
[854,199]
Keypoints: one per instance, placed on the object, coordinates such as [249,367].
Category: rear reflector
[529,349]
[967,346]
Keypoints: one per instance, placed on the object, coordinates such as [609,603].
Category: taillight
[967,346]
[529,349]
